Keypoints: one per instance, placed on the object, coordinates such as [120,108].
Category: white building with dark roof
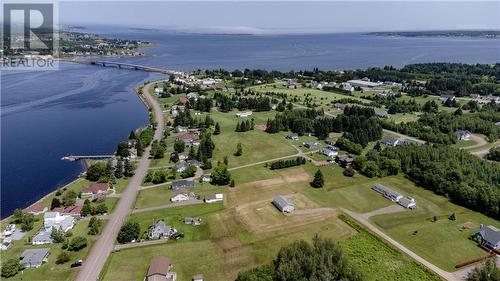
[34,258]
[489,236]
[283,204]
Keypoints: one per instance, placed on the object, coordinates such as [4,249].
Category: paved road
[361,218]
[100,251]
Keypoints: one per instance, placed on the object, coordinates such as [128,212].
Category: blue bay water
[88,109]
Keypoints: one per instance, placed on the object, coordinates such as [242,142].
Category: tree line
[282,164]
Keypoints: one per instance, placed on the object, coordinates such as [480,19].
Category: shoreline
[85,163]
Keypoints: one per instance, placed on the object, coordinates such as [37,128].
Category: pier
[83,157]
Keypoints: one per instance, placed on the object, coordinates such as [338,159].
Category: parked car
[77,263]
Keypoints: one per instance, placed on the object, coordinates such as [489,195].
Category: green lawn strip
[187,259]
[160,195]
[380,261]
[175,217]
[253,173]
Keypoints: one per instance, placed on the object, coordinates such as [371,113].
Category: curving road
[100,251]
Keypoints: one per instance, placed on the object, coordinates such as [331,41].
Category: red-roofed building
[35,209]
[73,210]
[94,189]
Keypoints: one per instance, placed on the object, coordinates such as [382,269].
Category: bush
[77,243]
[348,172]
[63,257]
[129,231]
[11,267]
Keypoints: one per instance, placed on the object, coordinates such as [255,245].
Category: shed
[283,204]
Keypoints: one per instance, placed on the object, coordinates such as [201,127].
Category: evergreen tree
[318,180]
[217,129]
[119,169]
[239,150]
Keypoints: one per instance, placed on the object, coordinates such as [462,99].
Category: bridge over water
[123,65]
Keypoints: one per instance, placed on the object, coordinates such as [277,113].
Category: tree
[231,183]
[430,107]
[217,129]
[56,203]
[189,172]
[220,175]
[96,171]
[487,272]
[57,235]
[77,243]
[323,260]
[69,198]
[101,209]
[239,150]
[122,149]
[11,267]
[226,160]
[86,208]
[128,232]
[27,222]
[348,172]
[119,169]
[94,226]
[318,180]
[179,146]
[128,168]
[494,154]
[63,257]
[370,169]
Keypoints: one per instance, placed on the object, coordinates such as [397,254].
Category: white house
[462,135]
[54,219]
[180,195]
[214,198]
[158,91]
[243,113]
[330,151]
[407,202]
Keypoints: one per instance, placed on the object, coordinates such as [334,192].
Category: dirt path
[404,136]
[171,205]
[102,248]
[394,208]
[479,141]
[361,218]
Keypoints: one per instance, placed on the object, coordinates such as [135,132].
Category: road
[361,218]
[102,248]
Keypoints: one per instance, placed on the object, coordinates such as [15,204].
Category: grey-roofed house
[462,135]
[381,113]
[192,221]
[489,236]
[206,178]
[387,192]
[181,166]
[292,136]
[34,258]
[42,237]
[182,184]
[330,151]
[407,202]
[310,144]
[390,141]
[444,98]
[283,204]
[159,230]
[194,163]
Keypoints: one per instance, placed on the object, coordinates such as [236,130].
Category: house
[347,87]
[310,144]
[194,163]
[183,101]
[158,91]
[339,106]
[390,141]
[381,113]
[183,155]
[283,204]
[444,98]
[292,136]
[330,151]
[197,277]
[192,95]
[206,178]
[5,245]
[462,135]
[407,202]
[94,189]
[192,221]
[180,195]
[364,83]
[54,219]
[43,236]
[181,129]
[159,230]
[344,161]
[489,236]
[9,230]
[212,198]
[159,270]
[35,209]
[181,167]
[34,258]
[387,192]
[243,113]
[176,185]
[73,210]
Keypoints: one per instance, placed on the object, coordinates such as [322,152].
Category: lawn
[160,195]
[379,261]
[257,145]
[444,243]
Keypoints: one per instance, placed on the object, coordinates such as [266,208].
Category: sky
[285,17]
